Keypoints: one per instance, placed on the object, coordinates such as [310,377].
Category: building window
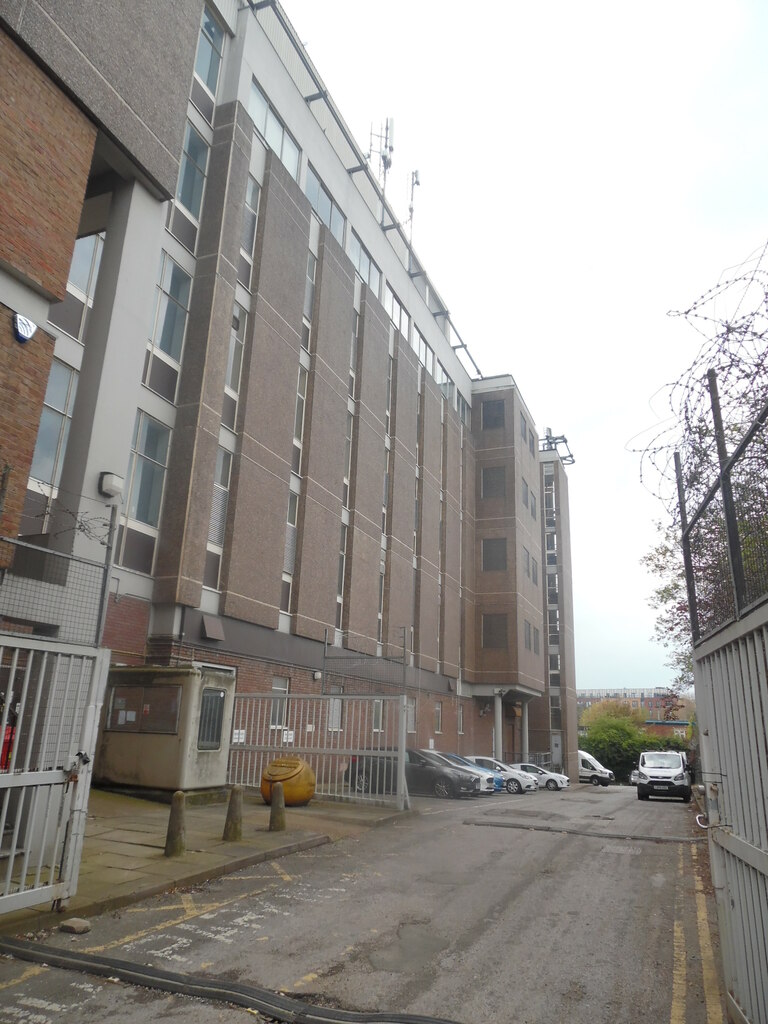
[71,315]
[531,442]
[234,366]
[536,641]
[192,172]
[218,521]
[460,718]
[463,408]
[397,313]
[161,368]
[492,414]
[55,420]
[493,483]
[554,627]
[364,265]
[279,713]
[248,234]
[438,716]
[144,485]
[551,545]
[410,714]
[380,613]
[207,64]
[494,631]
[377,717]
[556,718]
[525,492]
[527,562]
[523,428]
[494,554]
[552,588]
[335,711]
[535,571]
[527,634]
[340,577]
[533,505]
[298,425]
[324,206]
[423,351]
[347,460]
[273,131]
[211,719]
[554,663]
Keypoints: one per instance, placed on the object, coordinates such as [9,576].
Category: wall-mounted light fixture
[110,485]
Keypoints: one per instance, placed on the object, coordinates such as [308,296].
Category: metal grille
[354,745]
[44,593]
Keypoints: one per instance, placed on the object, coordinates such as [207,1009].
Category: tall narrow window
[234,366]
[340,579]
[144,485]
[163,362]
[279,715]
[438,716]
[207,64]
[527,634]
[218,521]
[248,235]
[325,207]
[347,460]
[71,315]
[192,172]
[298,425]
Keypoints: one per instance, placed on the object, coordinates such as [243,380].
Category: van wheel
[595,781]
[514,786]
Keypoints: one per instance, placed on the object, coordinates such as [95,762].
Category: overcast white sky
[585,167]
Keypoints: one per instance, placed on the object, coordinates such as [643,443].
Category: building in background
[246,387]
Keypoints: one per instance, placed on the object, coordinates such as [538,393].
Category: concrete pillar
[498,734]
[524,731]
[113,357]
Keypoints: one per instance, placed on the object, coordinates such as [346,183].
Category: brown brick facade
[23,381]
[47,146]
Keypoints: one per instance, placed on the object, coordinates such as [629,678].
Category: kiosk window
[211,718]
[144,709]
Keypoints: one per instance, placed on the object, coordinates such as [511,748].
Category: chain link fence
[47,594]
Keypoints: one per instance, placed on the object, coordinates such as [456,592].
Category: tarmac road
[586,906]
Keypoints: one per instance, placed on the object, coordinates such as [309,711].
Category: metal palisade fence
[725,549]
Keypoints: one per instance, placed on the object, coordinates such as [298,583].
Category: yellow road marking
[677,1009]
[284,875]
[188,904]
[711,983]
[306,979]
[30,972]
[187,916]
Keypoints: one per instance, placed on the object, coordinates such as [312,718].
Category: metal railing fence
[354,745]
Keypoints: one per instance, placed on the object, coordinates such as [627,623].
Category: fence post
[690,583]
[731,526]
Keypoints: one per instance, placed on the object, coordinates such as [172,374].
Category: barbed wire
[732,320]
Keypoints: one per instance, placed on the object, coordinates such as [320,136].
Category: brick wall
[23,381]
[47,146]
[126,628]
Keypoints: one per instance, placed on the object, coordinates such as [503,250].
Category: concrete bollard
[277,809]
[176,837]
[233,826]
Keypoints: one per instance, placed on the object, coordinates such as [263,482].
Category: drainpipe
[498,736]
[524,731]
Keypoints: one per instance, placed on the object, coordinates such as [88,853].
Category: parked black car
[375,771]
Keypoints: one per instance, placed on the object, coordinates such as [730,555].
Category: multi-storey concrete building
[241,355]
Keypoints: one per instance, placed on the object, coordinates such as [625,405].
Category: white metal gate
[50,700]
[354,745]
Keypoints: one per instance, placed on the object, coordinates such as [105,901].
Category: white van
[590,770]
[663,773]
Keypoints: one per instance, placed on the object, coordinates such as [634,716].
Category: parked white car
[547,779]
[515,780]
